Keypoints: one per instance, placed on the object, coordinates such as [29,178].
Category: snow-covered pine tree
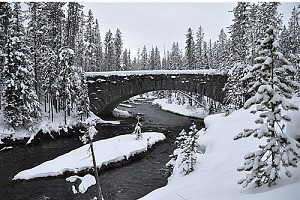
[151,60]
[180,144]
[157,62]
[37,30]
[118,49]
[190,50]
[129,60]
[72,24]
[89,39]
[271,86]
[109,52]
[125,63]
[21,106]
[184,157]
[222,53]
[234,88]
[284,42]
[79,43]
[238,31]
[83,101]
[260,15]
[164,60]
[199,48]
[205,56]
[175,57]
[66,80]
[144,59]
[294,40]
[98,55]
[5,15]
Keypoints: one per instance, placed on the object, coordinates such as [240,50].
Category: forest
[46,48]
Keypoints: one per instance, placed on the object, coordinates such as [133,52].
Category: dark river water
[125,183]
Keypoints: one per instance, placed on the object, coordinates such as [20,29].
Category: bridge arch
[108,90]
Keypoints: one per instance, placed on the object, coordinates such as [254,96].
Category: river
[125,183]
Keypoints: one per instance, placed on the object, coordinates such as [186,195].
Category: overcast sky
[161,24]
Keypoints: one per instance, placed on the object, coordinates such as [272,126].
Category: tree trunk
[96,171]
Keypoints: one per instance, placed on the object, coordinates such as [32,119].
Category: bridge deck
[150,72]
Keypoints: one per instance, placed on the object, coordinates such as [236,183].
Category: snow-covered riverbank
[107,151]
[46,127]
[216,175]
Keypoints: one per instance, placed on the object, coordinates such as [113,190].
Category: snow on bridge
[150,72]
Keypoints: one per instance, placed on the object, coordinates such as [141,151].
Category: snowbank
[216,175]
[149,72]
[184,110]
[106,151]
[121,113]
[46,126]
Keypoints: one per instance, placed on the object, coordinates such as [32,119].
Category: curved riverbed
[128,182]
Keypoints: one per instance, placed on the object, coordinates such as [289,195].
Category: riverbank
[133,180]
[107,151]
[216,174]
[45,130]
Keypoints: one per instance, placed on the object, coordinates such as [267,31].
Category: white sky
[161,24]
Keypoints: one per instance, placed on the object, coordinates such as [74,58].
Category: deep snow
[106,151]
[216,175]
[185,110]
[46,126]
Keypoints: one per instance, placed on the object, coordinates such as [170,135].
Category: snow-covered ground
[121,113]
[106,151]
[216,175]
[46,126]
[185,110]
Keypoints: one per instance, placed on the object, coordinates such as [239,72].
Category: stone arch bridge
[108,89]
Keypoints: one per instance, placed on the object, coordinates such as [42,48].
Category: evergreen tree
[21,106]
[234,88]
[157,62]
[270,83]
[184,157]
[98,53]
[36,37]
[109,53]
[190,50]
[82,97]
[5,11]
[90,40]
[144,59]
[72,23]
[199,48]
[79,43]
[151,65]
[125,62]
[118,49]
[67,83]
[284,42]
[206,64]
[238,31]
[221,50]
[175,57]
[129,60]
[164,61]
